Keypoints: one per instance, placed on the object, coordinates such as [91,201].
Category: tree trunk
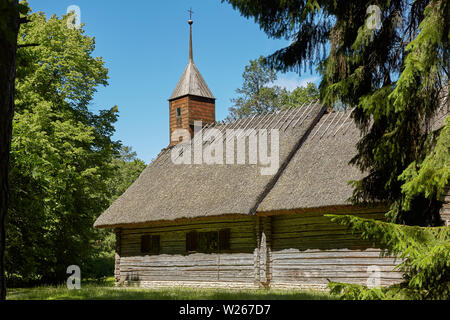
[8,45]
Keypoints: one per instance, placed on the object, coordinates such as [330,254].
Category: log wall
[233,267]
[308,251]
[302,250]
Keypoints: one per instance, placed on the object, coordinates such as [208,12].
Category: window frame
[151,246]
[211,241]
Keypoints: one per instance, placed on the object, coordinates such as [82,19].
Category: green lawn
[107,291]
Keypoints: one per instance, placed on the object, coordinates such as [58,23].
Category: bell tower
[191,100]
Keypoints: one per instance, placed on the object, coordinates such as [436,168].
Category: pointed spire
[191,56]
[191,81]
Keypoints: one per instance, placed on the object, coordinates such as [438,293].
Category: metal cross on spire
[190,13]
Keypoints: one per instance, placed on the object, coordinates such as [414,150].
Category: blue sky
[145,47]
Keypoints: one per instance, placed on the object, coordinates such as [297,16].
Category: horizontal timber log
[303,249]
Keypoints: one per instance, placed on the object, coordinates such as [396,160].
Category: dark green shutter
[145,243]
[224,239]
[155,243]
[191,241]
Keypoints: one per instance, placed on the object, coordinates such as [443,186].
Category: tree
[61,152]
[9,27]
[259,95]
[301,95]
[256,94]
[423,252]
[390,62]
[127,169]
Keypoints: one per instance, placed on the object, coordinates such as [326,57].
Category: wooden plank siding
[301,250]
[308,251]
[175,266]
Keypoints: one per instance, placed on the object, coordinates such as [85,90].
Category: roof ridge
[269,186]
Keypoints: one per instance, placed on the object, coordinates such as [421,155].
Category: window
[178,112]
[150,244]
[208,242]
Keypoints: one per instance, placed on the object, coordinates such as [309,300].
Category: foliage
[128,168]
[394,75]
[301,95]
[429,178]
[60,155]
[424,253]
[348,291]
[258,94]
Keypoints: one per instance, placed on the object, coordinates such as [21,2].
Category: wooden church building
[228,225]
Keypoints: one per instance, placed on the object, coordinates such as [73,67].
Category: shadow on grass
[101,292]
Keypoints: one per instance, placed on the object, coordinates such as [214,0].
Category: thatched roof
[166,191]
[319,172]
[314,171]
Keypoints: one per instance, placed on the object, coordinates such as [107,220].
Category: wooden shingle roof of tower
[191,81]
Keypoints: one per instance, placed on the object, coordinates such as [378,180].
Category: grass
[106,291]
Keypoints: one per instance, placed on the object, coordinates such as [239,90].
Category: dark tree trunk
[8,45]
